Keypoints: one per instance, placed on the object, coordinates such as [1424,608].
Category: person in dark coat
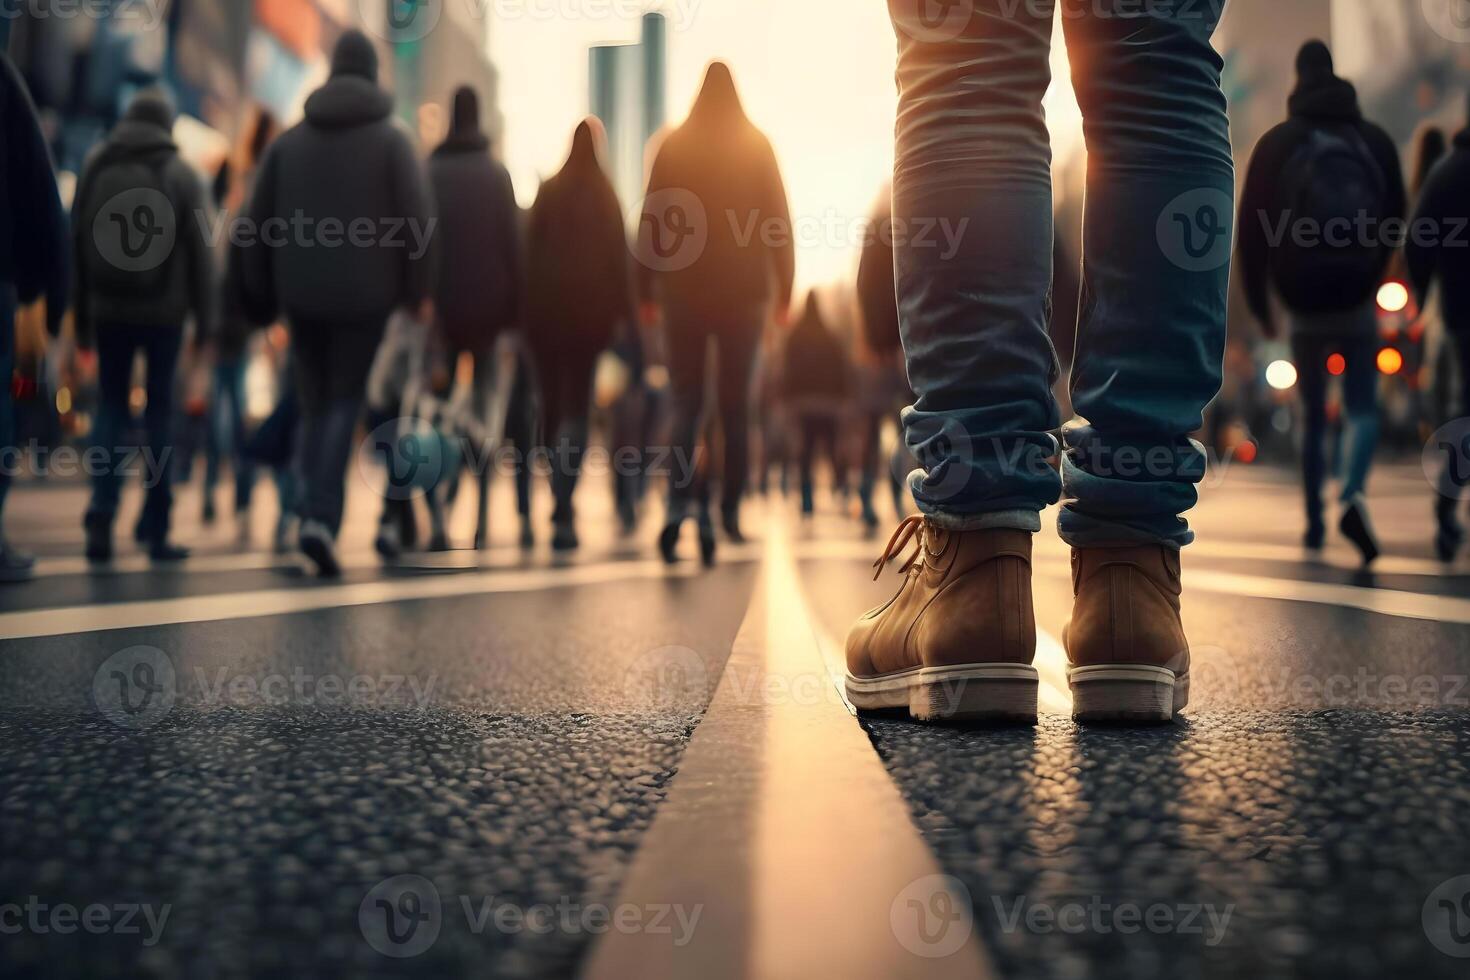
[344,221]
[1312,181]
[815,386]
[1438,255]
[717,250]
[35,262]
[884,390]
[477,245]
[144,267]
[579,298]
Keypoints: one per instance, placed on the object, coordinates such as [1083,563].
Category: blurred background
[817,76]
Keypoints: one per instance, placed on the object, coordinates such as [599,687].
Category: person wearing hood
[716,250]
[579,299]
[1437,255]
[342,220]
[35,263]
[477,248]
[1322,195]
[814,385]
[144,267]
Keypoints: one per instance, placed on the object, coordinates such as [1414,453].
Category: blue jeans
[117,344]
[227,431]
[1359,349]
[973,258]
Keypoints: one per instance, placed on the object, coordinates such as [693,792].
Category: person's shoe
[439,541]
[730,520]
[317,545]
[1450,535]
[528,534]
[1316,537]
[209,516]
[564,536]
[387,543]
[958,641]
[281,539]
[808,501]
[162,552]
[707,545]
[869,515]
[15,565]
[98,529]
[668,544]
[1128,657]
[1357,528]
[408,525]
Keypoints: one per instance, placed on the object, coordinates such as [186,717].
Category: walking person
[1434,260]
[227,403]
[579,299]
[144,267]
[478,260]
[1315,216]
[815,385]
[959,638]
[346,177]
[714,177]
[35,270]
[883,388]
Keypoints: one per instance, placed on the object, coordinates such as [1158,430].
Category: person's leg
[311,363]
[973,159]
[161,346]
[1360,408]
[575,392]
[973,152]
[1310,353]
[1150,345]
[354,347]
[738,345]
[1156,267]
[116,345]
[688,345]
[807,429]
[15,565]
[240,462]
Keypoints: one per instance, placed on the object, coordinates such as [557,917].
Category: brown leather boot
[956,643]
[1129,657]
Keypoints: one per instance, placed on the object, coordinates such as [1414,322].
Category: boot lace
[903,535]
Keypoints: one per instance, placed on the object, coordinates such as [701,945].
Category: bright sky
[815,75]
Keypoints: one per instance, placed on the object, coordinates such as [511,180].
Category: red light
[1336,365]
[1246,452]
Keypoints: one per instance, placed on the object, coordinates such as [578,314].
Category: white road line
[279,602]
[786,831]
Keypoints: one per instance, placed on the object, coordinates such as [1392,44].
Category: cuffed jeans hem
[1016,520]
[1098,534]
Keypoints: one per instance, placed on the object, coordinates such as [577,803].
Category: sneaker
[1357,528]
[163,552]
[15,565]
[317,544]
[958,640]
[98,528]
[387,544]
[564,536]
[1128,657]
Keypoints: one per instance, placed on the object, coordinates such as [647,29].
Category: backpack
[1332,177]
[129,249]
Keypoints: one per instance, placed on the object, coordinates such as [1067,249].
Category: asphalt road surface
[231,769]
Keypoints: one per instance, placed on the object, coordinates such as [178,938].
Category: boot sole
[1127,693]
[967,693]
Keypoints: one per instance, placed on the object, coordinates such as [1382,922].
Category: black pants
[117,345]
[736,337]
[818,436]
[332,362]
[1454,477]
[566,399]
